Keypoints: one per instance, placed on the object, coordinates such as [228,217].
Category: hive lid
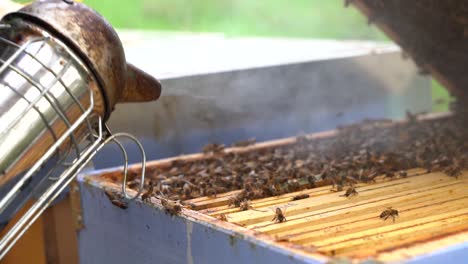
[433,32]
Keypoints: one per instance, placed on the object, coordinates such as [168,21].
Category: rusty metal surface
[137,84]
[94,39]
[433,32]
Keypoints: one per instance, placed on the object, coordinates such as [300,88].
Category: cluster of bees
[358,154]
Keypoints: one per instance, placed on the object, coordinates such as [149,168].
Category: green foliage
[440,97]
[297,18]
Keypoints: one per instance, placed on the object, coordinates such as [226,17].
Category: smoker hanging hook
[114,138]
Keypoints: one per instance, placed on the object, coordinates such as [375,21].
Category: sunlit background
[268,18]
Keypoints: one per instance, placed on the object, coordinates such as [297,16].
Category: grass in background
[440,97]
[296,18]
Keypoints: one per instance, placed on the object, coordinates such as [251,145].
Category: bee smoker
[62,71]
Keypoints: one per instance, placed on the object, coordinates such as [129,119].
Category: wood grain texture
[432,210]
[61,241]
[431,205]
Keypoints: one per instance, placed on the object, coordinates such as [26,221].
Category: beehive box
[323,224]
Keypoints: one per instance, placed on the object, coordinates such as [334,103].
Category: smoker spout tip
[140,86]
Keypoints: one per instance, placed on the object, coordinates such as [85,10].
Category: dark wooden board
[433,32]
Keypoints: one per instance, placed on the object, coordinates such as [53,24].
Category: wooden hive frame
[432,207]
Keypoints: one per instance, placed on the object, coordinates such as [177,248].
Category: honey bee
[336,186]
[164,188]
[368,176]
[389,212]
[211,192]
[453,170]
[222,217]
[293,185]
[134,184]
[279,216]
[300,197]
[146,196]
[389,174]
[237,200]
[189,205]
[351,191]
[351,180]
[116,199]
[233,202]
[245,205]
[213,148]
[171,207]
[187,190]
[281,239]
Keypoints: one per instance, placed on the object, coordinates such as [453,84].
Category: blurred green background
[274,18]
[296,18]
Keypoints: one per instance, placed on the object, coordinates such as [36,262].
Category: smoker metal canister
[59,58]
[62,70]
